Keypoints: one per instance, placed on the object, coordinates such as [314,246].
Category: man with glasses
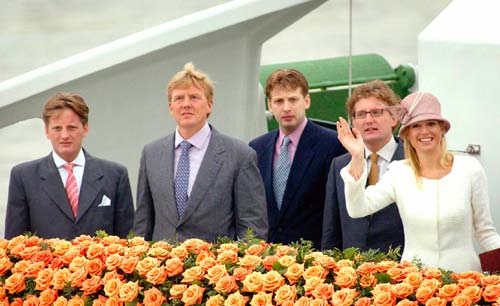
[372,109]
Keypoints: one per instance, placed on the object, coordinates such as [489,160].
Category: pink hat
[420,106]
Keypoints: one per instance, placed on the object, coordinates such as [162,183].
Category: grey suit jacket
[380,231]
[227,197]
[38,202]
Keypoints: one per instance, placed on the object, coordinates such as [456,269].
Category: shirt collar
[197,140]
[78,161]
[386,152]
[295,135]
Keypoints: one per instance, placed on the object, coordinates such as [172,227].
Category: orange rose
[91,285]
[476,276]
[381,288]
[436,301]
[226,284]
[314,271]
[491,293]
[268,262]
[364,301]
[193,295]
[31,300]
[163,245]
[177,290]
[367,268]
[432,283]
[424,293]
[407,302]
[385,265]
[215,300]
[95,250]
[29,252]
[236,299]
[61,247]
[112,287]
[205,260]
[15,283]
[283,250]
[490,280]
[271,281]
[344,297]
[228,247]
[192,244]
[61,301]
[47,297]
[5,265]
[159,253]
[285,293]
[448,292]
[384,299]
[128,291]
[432,273]
[16,302]
[346,280]
[110,275]
[367,280]
[138,241]
[113,301]
[112,239]
[179,252]
[114,248]
[256,249]
[95,266]
[215,273]
[250,261]
[100,301]
[76,301]
[129,263]
[323,291]
[311,283]
[70,255]
[76,278]
[414,279]
[319,302]
[21,266]
[286,260]
[253,282]
[43,279]
[303,301]
[262,299]
[294,272]
[157,275]
[174,266]
[239,273]
[396,274]
[461,300]
[113,261]
[153,297]
[192,274]
[145,265]
[326,262]
[466,282]
[136,250]
[402,290]
[227,257]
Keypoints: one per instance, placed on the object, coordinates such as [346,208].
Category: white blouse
[439,218]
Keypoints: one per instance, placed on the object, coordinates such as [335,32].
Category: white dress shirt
[384,156]
[79,165]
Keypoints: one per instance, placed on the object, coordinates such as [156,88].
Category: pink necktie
[72,188]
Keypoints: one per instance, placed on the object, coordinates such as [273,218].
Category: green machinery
[328,82]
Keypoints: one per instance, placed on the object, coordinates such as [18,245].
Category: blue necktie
[182,178]
[281,172]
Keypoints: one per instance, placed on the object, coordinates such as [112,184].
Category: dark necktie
[182,178]
[281,172]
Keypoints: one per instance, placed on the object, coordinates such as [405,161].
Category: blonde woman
[442,198]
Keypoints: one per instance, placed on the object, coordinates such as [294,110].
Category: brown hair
[377,89]
[445,158]
[288,79]
[191,76]
[62,100]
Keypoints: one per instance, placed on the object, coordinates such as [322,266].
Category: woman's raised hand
[353,142]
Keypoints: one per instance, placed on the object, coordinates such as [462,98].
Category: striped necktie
[72,188]
[281,172]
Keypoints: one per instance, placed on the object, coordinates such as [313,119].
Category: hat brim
[425,117]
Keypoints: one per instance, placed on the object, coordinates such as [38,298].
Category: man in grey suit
[197,182]
[372,108]
[69,192]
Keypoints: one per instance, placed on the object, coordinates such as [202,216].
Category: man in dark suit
[294,161]
[68,193]
[197,182]
[372,108]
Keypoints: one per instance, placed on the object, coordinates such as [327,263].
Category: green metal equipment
[329,81]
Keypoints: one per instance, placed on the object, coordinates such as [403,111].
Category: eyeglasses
[377,112]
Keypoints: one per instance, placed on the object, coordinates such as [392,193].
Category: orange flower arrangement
[109,271]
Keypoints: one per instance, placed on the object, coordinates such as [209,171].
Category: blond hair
[188,77]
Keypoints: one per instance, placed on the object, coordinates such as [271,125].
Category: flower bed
[107,270]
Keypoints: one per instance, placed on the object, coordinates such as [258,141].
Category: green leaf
[382,277]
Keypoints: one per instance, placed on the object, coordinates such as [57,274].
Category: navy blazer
[38,202]
[378,231]
[301,213]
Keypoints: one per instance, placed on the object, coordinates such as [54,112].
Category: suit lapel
[91,185]
[400,151]
[303,157]
[210,166]
[52,185]
[266,160]
[165,179]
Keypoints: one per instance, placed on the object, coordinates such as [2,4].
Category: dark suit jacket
[227,197]
[38,202]
[302,208]
[378,231]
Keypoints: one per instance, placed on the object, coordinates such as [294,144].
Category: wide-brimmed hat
[420,106]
